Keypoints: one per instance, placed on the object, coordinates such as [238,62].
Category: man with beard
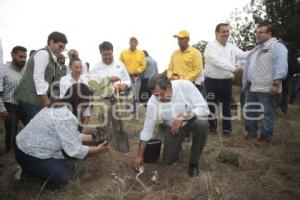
[10,75]
[266,67]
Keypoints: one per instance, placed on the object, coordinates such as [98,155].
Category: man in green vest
[34,89]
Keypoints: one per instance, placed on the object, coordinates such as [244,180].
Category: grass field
[263,173]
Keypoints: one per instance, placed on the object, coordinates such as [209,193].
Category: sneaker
[193,170]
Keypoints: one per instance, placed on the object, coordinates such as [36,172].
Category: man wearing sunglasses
[34,89]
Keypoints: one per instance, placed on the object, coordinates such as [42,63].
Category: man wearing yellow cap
[185,62]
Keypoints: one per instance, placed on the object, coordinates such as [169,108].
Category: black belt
[217,79]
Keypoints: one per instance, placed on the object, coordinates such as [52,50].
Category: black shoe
[193,170]
[226,133]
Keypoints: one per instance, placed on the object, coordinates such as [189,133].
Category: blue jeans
[29,111]
[295,89]
[267,115]
[57,172]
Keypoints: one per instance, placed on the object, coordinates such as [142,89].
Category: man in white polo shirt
[110,68]
[182,107]
[115,71]
[220,67]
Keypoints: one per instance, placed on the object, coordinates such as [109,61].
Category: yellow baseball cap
[182,34]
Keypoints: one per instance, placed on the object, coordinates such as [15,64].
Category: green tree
[284,15]
[201,45]
[243,23]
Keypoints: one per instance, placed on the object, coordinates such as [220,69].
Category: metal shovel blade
[122,139]
[122,136]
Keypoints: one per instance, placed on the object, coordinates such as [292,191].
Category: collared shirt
[185,98]
[187,64]
[220,60]
[279,61]
[41,60]
[66,82]
[151,68]
[9,79]
[133,60]
[101,70]
[51,131]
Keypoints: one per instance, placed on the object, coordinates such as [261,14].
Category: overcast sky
[87,23]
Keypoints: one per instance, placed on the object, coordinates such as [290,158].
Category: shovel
[135,78]
[122,137]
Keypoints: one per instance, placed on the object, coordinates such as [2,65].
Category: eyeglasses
[62,47]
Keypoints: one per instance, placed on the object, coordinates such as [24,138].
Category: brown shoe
[262,141]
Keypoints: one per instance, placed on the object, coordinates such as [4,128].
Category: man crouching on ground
[184,110]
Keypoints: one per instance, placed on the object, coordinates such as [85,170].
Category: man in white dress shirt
[220,67]
[182,112]
[115,71]
[110,68]
[34,89]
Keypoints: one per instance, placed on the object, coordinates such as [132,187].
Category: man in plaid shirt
[10,75]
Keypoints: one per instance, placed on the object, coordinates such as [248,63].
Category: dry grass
[267,173]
